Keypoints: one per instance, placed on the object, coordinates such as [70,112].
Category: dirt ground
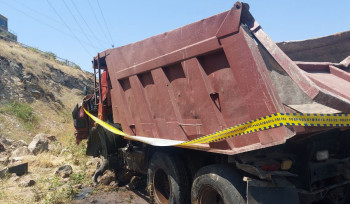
[122,195]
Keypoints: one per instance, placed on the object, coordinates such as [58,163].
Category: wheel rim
[161,187]
[209,195]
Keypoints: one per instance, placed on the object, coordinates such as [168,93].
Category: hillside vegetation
[37,95]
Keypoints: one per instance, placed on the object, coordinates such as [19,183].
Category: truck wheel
[167,179]
[218,184]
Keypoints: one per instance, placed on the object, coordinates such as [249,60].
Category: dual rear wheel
[217,184]
[169,182]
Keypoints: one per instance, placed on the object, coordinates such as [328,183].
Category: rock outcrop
[40,143]
[21,151]
[107,177]
[64,171]
[18,84]
[27,182]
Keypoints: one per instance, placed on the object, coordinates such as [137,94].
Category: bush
[22,111]
[75,66]
[34,49]
[50,55]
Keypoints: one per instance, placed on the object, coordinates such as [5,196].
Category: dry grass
[48,188]
[13,128]
[43,160]
[50,121]
[35,62]
[54,119]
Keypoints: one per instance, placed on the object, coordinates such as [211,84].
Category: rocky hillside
[34,83]
[39,161]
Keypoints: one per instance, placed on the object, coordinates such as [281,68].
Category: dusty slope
[37,95]
[50,88]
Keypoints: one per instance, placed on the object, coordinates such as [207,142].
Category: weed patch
[22,111]
[43,160]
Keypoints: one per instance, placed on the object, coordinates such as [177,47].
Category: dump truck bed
[213,74]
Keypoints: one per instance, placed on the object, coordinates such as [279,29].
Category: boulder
[64,171]
[107,177]
[39,144]
[51,138]
[27,182]
[19,169]
[21,151]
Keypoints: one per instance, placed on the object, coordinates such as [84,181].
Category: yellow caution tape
[147,140]
[276,120]
[263,123]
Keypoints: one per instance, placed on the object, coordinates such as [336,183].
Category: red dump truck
[207,76]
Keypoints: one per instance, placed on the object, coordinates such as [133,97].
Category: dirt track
[121,196]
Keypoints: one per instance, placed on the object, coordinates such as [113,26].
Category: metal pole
[99,76]
[93,66]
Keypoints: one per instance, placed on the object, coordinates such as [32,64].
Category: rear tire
[167,179]
[218,184]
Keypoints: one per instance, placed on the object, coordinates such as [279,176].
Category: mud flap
[261,192]
[94,143]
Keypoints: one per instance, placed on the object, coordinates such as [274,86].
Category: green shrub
[50,55]
[34,49]
[77,178]
[22,111]
[75,66]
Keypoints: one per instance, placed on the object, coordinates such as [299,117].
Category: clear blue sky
[37,24]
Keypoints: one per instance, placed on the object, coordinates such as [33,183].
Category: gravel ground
[121,196]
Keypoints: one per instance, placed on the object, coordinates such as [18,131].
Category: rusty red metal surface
[211,75]
[328,77]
